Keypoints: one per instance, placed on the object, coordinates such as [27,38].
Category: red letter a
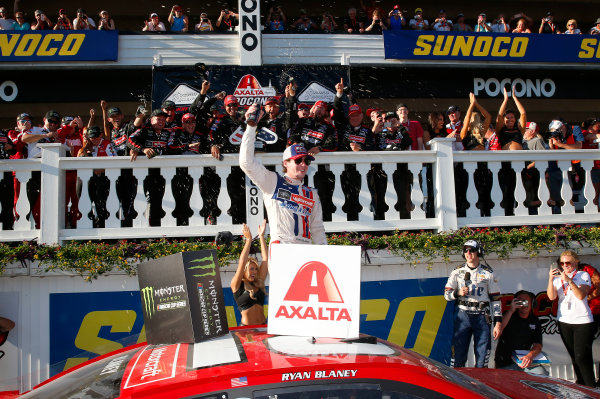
[325,286]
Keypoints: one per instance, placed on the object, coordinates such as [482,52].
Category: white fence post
[443,175]
[52,193]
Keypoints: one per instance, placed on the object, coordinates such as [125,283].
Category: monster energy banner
[182,299]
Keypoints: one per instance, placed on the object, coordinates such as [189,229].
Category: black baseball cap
[113,111]
[159,112]
[168,104]
[390,115]
[23,115]
[52,115]
[452,108]
[93,132]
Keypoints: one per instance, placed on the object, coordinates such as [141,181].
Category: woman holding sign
[248,284]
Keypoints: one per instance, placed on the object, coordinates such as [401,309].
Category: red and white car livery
[249,363]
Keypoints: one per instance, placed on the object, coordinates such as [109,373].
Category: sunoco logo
[314,279]
[148,300]
[249,91]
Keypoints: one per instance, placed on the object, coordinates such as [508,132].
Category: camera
[224,238]
[556,134]
[521,303]
[204,19]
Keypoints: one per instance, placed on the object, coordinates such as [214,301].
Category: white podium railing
[53,166]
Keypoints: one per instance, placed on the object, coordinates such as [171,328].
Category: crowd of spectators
[213,124]
[368,18]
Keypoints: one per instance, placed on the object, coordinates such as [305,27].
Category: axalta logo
[313,281]
[249,91]
[26,45]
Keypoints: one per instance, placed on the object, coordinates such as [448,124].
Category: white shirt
[572,310]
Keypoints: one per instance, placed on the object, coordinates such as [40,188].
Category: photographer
[227,21]
[547,24]
[396,20]
[106,22]
[205,24]
[63,22]
[500,25]
[328,24]
[441,24]
[482,26]
[575,319]
[83,22]
[377,25]
[178,20]
[304,24]
[42,22]
[418,22]
[523,332]
[562,136]
[276,20]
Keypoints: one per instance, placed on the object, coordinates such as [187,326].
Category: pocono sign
[314,290]
[249,31]
[249,91]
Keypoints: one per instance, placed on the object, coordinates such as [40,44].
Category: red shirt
[415,130]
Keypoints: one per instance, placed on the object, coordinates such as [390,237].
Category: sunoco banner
[491,47]
[249,84]
[44,46]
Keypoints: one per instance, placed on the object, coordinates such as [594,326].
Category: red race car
[249,363]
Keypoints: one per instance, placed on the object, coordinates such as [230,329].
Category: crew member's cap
[549,14]
[401,105]
[354,109]
[93,132]
[396,7]
[555,125]
[303,106]
[61,11]
[23,115]
[460,14]
[230,99]
[321,104]
[66,120]
[452,109]
[158,112]
[112,111]
[531,125]
[154,15]
[296,151]
[482,15]
[371,110]
[472,244]
[80,11]
[389,115]
[188,117]
[272,100]
[177,8]
[52,115]
[418,10]
[168,104]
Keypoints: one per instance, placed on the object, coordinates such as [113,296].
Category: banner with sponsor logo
[61,45]
[249,84]
[314,290]
[182,299]
[505,47]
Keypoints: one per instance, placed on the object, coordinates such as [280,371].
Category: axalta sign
[55,45]
[316,292]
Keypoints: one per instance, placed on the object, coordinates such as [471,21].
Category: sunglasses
[565,263]
[469,250]
[189,121]
[53,121]
[306,161]
[24,120]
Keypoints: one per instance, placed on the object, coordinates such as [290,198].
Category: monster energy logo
[148,299]
[206,264]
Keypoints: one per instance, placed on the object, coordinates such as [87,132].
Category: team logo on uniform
[249,91]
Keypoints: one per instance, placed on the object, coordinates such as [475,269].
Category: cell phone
[521,302]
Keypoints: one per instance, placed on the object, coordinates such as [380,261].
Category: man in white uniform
[294,210]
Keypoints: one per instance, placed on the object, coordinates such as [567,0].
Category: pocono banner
[469,46]
[249,84]
[314,290]
[61,45]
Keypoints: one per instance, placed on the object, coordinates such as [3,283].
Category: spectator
[593,296]
[328,25]
[482,26]
[371,8]
[530,176]
[595,30]
[562,136]
[276,20]
[205,24]
[473,130]
[396,20]
[169,107]
[42,22]
[5,22]
[591,133]
[63,22]
[460,25]
[304,24]
[248,283]
[418,22]
[441,24]
[7,183]
[499,25]
[520,332]
[521,27]
[572,28]
[353,23]
[547,24]
[414,128]
[82,21]
[575,319]
[154,24]
[74,140]
[20,23]
[435,128]
[518,16]
[178,20]
[474,288]
[227,21]
[105,22]
[152,140]
[377,25]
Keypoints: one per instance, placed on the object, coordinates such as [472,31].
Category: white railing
[53,166]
